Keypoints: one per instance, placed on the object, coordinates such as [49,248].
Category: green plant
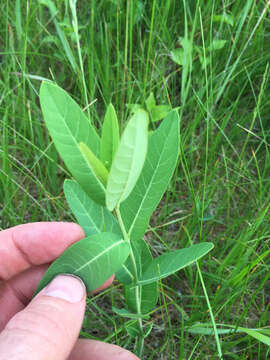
[118,184]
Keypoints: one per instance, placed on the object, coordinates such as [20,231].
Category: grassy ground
[210,59]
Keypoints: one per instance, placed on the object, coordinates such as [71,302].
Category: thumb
[49,326]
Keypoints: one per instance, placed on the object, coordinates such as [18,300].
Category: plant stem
[135,273]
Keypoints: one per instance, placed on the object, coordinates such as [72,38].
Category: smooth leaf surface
[97,167]
[148,292]
[94,259]
[157,171]
[160,112]
[171,262]
[124,274]
[68,126]
[128,161]
[92,217]
[150,102]
[109,137]
[217,44]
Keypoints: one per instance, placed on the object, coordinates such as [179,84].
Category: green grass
[221,190]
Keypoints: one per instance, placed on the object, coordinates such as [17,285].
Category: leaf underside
[128,160]
[94,259]
[93,218]
[109,137]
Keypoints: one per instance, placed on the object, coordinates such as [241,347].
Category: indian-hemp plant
[117,184]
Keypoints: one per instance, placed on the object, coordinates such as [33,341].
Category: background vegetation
[210,59]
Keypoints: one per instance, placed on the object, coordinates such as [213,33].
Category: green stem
[135,273]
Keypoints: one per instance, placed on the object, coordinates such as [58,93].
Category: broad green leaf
[124,275]
[128,161]
[181,56]
[170,262]
[127,314]
[177,56]
[157,171]
[133,108]
[148,292]
[150,102]
[110,137]
[133,329]
[160,112]
[98,168]
[227,18]
[94,259]
[92,217]
[217,44]
[68,127]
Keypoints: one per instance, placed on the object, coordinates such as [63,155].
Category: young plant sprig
[118,184]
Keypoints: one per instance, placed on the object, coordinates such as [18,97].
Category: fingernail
[66,287]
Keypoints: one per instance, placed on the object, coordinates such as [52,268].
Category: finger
[16,293]
[33,244]
[97,350]
[49,326]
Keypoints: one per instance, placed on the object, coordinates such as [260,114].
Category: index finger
[24,246]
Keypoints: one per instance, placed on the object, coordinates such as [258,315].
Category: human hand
[48,326]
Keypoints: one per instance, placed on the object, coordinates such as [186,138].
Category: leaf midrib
[99,255]
[77,146]
[148,189]
[86,211]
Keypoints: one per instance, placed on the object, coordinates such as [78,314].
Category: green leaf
[206,329]
[94,259]
[148,292]
[160,112]
[177,56]
[98,168]
[133,108]
[124,275]
[159,166]
[133,330]
[109,137]
[128,160]
[227,18]
[217,44]
[68,127]
[170,262]
[127,314]
[257,335]
[92,217]
[150,102]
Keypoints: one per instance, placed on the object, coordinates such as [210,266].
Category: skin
[46,327]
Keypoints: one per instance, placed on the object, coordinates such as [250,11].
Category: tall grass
[113,51]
